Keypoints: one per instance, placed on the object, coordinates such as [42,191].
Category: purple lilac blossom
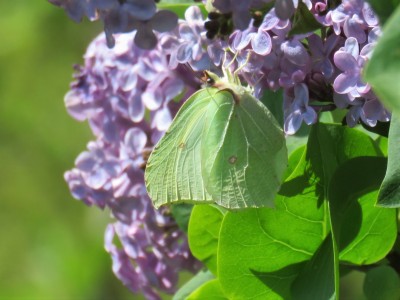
[297,109]
[112,91]
[350,90]
[189,43]
[119,16]
[354,17]
[330,66]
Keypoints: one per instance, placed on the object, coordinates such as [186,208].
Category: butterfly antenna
[243,65]
[226,69]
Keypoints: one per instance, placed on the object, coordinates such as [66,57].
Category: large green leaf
[384,8]
[322,266]
[382,283]
[262,251]
[209,290]
[365,233]
[204,226]
[383,70]
[193,284]
[389,194]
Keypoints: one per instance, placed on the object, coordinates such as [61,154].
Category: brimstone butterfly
[224,146]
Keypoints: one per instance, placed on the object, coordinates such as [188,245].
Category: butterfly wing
[173,171]
[243,152]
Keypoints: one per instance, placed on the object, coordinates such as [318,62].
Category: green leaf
[351,283]
[389,194]
[204,227]
[273,100]
[382,143]
[209,290]
[382,283]
[383,70]
[384,9]
[223,146]
[196,281]
[295,157]
[277,246]
[322,266]
[303,21]
[259,257]
[181,213]
[365,233]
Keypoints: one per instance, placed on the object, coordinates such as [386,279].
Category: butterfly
[223,146]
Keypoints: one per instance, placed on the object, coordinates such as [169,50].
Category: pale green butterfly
[224,147]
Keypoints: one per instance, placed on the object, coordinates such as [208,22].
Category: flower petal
[344,83]
[145,38]
[345,62]
[140,9]
[261,43]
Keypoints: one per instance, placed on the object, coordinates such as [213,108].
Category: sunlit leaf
[195,282]
[209,290]
[263,251]
[204,227]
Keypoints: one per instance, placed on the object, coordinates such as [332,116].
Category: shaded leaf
[382,283]
[303,21]
[365,233]
[181,213]
[389,193]
[322,265]
[384,9]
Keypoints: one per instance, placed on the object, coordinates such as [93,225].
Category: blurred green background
[51,245]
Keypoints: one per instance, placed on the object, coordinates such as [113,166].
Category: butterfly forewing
[173,171]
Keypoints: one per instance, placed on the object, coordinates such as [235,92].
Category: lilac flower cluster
[127,96]
[120,16]
[311,68]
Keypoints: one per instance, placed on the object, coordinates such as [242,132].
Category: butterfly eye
[207,79]
[210,81]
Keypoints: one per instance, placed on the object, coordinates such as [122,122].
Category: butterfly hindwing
[245,152]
